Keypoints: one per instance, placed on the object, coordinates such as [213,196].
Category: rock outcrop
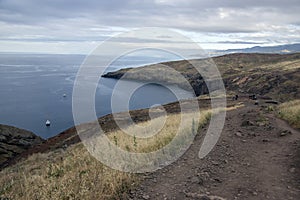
[14,141]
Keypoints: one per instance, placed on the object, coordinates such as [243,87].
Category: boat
[48,122]
[64,95]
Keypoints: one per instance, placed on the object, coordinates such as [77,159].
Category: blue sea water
[32,88]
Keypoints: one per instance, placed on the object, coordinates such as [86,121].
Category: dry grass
[160,137]
[70,174]
[285,65]
[74,174]
[290,111]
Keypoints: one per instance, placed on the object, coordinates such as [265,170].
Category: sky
[78,26]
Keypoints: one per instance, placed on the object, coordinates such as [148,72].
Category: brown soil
[257,157]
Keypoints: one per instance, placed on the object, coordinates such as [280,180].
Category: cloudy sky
[78,26]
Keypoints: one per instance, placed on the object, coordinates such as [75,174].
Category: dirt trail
[257,157]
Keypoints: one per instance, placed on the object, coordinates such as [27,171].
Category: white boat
[64,95]
[48,122]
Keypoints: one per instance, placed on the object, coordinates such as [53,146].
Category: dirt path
[257,157]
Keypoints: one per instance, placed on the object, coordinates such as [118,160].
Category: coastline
[240,77]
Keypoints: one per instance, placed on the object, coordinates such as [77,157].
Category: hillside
[273,75]
[256,157]
[14,141]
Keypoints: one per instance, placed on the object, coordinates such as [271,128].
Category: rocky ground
[14,141]
[257,157]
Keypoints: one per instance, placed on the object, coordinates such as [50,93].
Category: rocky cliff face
[14,141]
[188,80]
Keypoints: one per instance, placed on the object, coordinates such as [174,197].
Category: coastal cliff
[273,75]
[14,141]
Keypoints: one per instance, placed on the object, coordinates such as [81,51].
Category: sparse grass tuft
[270,108]
[290,111]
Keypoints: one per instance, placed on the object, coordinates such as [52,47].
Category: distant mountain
[281,49]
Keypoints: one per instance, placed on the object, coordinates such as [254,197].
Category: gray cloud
[214,15]
[77,20]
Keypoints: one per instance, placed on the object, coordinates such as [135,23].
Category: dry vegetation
[74,174]
[70,174]
[290,111]
[163,136]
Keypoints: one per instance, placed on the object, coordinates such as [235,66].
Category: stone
[24,143]
[248,123]
[218,180]
[292,170]
[284,133]
[197,180]
[215,163]
[204,197]
[2,138]
[145,196]
[252,134]
[239,134]
[265,140]
[262,123]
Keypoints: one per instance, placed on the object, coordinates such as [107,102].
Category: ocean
[37,87]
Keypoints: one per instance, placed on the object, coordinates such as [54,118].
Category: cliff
[273,75]
[14,141]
